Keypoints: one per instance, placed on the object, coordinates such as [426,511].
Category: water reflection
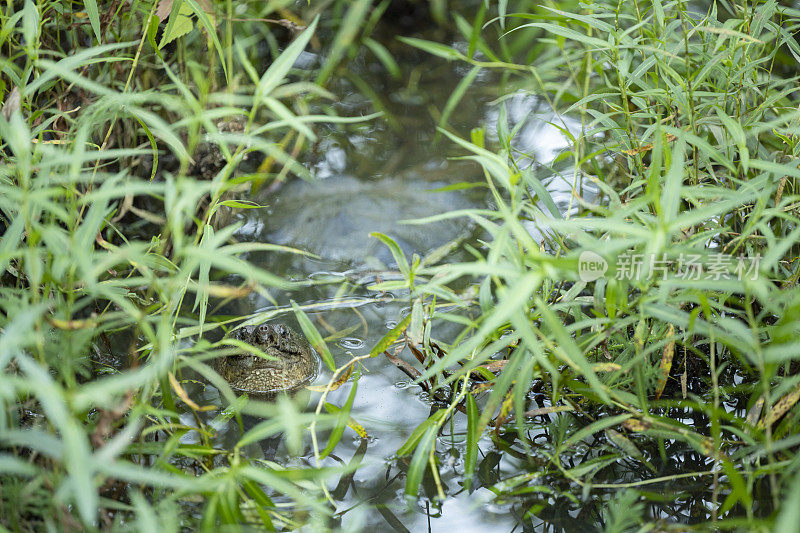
[333,218]
[540,132]
[368,179]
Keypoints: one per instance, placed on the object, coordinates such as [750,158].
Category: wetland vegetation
[546,252]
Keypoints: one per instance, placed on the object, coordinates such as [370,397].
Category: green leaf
[211,30]
[179,23]
[73,62]
[79,484]
[278,70]
[591,465]
[542,193]
[589,20]
[778,251]
[420,430]
[391,336]
[241,204]
[454,99]
[203,276]
[671,195]
[565,32]
[350,26]
[594,427]
[739,491]
[736,131]
[476,30]
[384,57]
[436,49]
[627,446]
[30,24]
[313,336]
[15,466]
[569,351]
[397,253]
[789,512]
[342,416]
[473,433]
[416,469]
[94,17]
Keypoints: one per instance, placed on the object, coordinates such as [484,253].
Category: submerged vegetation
[626,359]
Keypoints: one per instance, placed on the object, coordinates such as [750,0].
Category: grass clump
[651,372]
[111,268]
[661,392]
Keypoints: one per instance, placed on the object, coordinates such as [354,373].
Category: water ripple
[351,343]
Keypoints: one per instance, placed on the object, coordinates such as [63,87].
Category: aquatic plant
[110,264]
[655,324]
[626,360]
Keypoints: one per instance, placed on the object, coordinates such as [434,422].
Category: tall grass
[689,128]
[110,268]
[657,402]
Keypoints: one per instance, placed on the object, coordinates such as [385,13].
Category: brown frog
[295,365]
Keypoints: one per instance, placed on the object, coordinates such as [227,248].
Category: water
[368,179]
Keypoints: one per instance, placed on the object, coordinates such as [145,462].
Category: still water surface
[369,178]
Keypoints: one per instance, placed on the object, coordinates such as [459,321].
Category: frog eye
[282,330]
[264,333]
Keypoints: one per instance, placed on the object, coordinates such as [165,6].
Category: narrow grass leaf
[313,336]
[473,433]
[351,24]
[342,415]
[665,365]
[390,337]
[591,429]
[411,443]
[384,56]
[436,49]
[456,96]
[671,194]
[419,461]
[569,351]
[397,253]
[278,70]
[736,131]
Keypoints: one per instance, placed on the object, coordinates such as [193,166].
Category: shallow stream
[369,179]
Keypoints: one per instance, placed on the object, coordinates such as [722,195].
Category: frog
[295,363]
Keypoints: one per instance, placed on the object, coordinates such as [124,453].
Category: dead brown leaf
[185,397]
[505,409]
[635,425]
[11,104]
[780,408]
[336,384]
[107,419]
[71,325]
[755,412]
[407,369]
[165,8]
[646,147]
[606,367]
